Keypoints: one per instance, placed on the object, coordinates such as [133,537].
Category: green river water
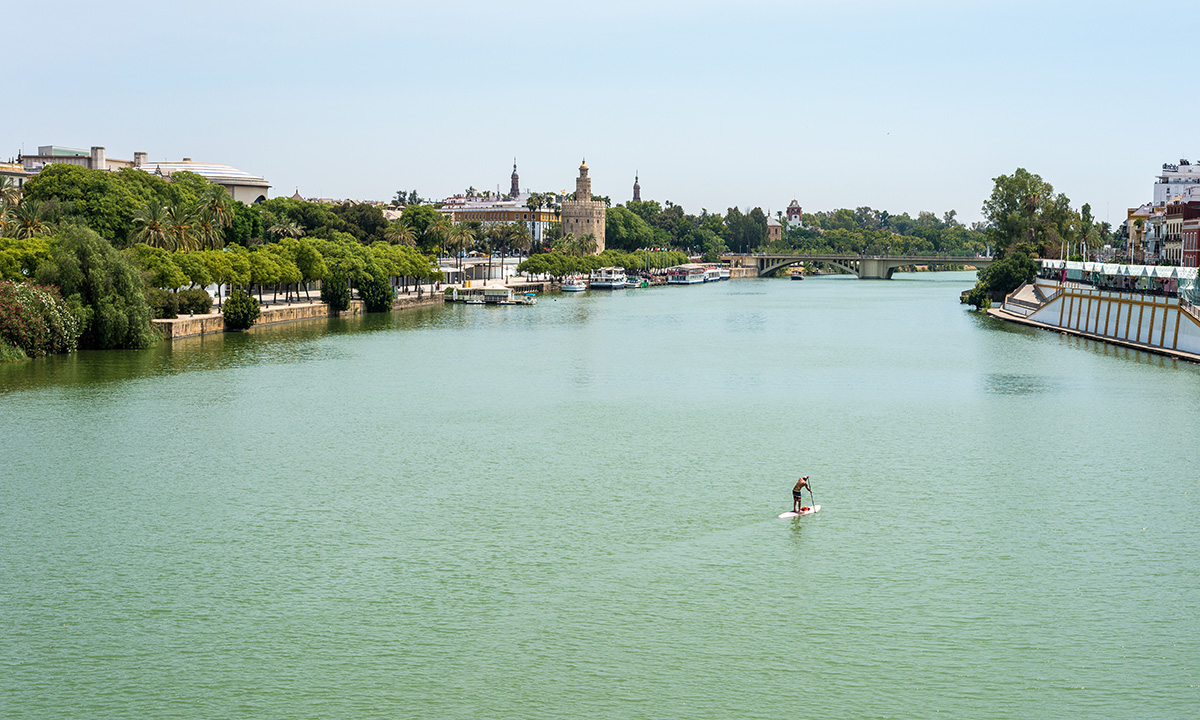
[570,511]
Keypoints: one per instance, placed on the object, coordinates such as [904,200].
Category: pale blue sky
[903,106]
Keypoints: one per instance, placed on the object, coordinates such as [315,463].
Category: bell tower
[515,190]
[637,189]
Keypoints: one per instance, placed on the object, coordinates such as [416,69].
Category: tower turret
[515,190]
[637,189]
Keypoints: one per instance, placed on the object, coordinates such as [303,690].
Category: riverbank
[1155,323]
[194,325]
[1007,316]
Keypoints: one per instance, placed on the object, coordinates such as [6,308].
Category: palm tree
[8,220]
[437,231]
[459,238]
[209,231]
[397,233]
[181,226]
[150,226]
[285,227]
[30,220]
[10,192]
[218,203]
[535,202]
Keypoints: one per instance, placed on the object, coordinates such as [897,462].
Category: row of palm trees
[178,228]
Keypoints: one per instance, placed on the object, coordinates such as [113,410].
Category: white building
[1175,180]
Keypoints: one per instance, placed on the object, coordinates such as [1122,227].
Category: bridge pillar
[876,269]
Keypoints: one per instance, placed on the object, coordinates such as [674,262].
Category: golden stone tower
[583,215]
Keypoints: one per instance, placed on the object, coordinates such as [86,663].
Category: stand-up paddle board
[806,510]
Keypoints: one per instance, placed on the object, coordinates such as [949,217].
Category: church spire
[637,189]
[515,190]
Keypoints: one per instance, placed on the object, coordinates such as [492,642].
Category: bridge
[866,267]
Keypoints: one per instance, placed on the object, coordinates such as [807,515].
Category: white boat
[574,283]
[725,273]
[712,274]
[607,278]
[690,274]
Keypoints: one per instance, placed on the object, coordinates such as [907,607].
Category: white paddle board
[806,510]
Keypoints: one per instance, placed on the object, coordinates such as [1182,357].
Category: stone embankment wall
[215,322]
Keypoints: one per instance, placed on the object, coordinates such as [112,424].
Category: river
[570,511]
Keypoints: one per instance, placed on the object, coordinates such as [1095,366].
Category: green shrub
[335,290]
[377,293]
[163,303]
[196,301]
[240,310]
[36,320]
[10,353]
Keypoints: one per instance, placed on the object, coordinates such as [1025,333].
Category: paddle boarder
[798,493]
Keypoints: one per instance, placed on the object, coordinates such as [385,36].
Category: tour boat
[574,283]
[690,274]
[712,274]
[797,274]
[607,278]
[725,273]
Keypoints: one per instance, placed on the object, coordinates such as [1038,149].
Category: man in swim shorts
[798,493]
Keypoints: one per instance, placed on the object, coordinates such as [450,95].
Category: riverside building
[241,185]
[491,209]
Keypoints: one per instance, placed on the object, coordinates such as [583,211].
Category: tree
[181,228]
[436,233]
[285,227]
[335,288]
[20,257]
[240,311]
[104,285]
[264,270]
[150,226]
[1002,277]
[625,230]
[397,233]
[10,192]
[419,218]
[459,238]
[365,222]
[310,263]
[100,200]
[31,220]
[157,266]
[1023,209]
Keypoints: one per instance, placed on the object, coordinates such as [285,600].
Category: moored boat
[575,283]
[689,274]
[607,278]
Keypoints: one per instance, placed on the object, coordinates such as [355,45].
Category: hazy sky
[903,106]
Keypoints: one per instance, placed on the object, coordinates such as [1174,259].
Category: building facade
[583,215]
[1175,180]
[1189,232]
[240,185]
[489,211]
